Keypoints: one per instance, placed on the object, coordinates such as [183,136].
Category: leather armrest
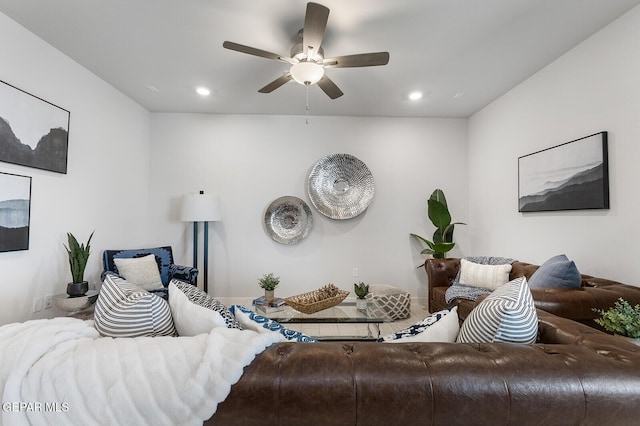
[442,272]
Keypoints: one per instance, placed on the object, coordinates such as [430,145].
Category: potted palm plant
[439,215]
[269,282]
[361,289]
[78,257]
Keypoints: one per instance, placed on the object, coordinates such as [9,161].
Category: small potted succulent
[78,257]
[622,319]
[361,289]
[269,282]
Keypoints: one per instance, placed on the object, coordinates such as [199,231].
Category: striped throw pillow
[506,315]
[125,310]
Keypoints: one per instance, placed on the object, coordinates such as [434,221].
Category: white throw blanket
[61,372]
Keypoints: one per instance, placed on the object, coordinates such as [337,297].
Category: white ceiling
[481,48]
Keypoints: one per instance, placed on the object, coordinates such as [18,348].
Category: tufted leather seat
[575,375]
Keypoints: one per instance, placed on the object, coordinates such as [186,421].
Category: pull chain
[307,106]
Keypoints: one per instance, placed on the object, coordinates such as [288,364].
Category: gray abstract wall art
[33,132]
[570,176]
[15,209]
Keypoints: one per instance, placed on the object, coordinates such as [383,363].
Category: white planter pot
[361,304]
[269,295]
[631,339]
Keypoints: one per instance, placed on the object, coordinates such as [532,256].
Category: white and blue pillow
[199,299]
[192,318]
[125,310]
[506,315]
[442,326]
[249,320]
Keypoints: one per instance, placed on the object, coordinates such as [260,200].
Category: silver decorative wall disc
[340,186]
[288,220]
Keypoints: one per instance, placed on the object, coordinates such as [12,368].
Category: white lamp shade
[201,208]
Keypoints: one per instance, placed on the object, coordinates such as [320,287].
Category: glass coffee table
[344,313]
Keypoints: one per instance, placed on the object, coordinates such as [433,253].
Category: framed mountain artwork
[570,176]
[15,209]
[33,132]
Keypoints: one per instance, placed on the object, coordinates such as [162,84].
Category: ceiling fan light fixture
[307,61]
[307,72]
[415,96]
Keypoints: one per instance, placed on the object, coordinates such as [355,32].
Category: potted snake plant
[78,257]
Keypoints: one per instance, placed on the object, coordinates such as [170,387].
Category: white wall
[252,160]
[592,88]
[105,188]
[128,170]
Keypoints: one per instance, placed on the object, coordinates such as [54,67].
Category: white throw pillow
[202,299]
[485,276]
[442,326]
[142,271]
[191,319]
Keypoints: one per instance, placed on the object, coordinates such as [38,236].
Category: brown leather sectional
[573,375]
[576,304]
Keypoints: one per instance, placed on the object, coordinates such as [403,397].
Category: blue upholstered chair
[164,258]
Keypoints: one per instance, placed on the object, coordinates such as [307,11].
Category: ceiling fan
[307,59]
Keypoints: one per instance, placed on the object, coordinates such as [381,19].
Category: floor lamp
[201,208]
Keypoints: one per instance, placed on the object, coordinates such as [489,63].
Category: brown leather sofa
[575,375]
[576,304]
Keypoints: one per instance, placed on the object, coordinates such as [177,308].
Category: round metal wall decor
[288,220]
[340,186]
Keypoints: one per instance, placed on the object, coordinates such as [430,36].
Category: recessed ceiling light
[152,89]
[203,91]
[414,96]
[458,95]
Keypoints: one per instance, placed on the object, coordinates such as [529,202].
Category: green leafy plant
[361,289]
[622,319]
[269,282]
[439,215]
[78,257]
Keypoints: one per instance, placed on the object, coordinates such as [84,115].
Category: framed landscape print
[33,132]
[571,176]
[15,208]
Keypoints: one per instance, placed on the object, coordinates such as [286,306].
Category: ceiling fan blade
[329,87]
[255,52]
[275,83]
[315,23]
[360,60]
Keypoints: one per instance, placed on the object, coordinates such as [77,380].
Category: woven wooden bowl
[312,301]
